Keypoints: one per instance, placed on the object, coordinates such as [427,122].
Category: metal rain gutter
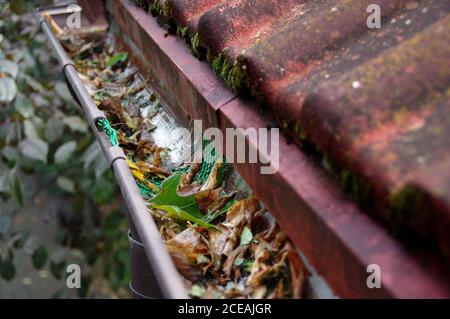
[167,276]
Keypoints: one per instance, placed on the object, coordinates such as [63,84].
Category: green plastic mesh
[104,125]
[184,169]
[210,157]
[145,191]
[157,182]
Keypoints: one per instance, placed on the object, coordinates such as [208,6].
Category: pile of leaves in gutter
[223,242]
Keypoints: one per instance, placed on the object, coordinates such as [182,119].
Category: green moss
[182,31]
[192,40]
[405,210]
[155,8]
[209,56]
[166,10]
[217,63]
[409,205]
[327,164]
[233,74]
[225,71]
[237,78]
[401,198]
[160,8]
[195,44]
[142,4]
[303,136]
[358,189]
[351,183]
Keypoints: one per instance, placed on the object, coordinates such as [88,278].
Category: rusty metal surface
[338,238]
[375,102]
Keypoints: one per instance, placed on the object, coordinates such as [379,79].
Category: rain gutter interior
[142,225]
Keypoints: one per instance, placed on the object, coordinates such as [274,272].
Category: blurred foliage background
[58,201]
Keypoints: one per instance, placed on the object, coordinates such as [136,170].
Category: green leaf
[18,241]
[8,89]
[65,151]
[246,236]
[101,165]
[102,191]
[66,184]
[9,67]
[247,265]
[5,223]
[16,189]
[53,129]
[59,255]
[93,158]
[91,154]
[63,92]
[214,215]
[28,62]
[41,101]
[117,58]
[238,261]
[5,181]
[34,148]
[75,123]
[58,262]
[197,291]
[178,213]
[23,106]
[10,153]
[57,269]
[7,269]
[169,196]
[30,129]
[39,257]
[32,82]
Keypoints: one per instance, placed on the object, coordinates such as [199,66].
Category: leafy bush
[43,136]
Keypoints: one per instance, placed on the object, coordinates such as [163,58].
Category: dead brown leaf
[207,198]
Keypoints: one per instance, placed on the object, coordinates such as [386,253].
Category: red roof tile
[374,101]
[188,13]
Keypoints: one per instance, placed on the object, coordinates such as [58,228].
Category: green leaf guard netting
[210,157]
[104,125]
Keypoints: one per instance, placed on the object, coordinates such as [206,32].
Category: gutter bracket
[114,153]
